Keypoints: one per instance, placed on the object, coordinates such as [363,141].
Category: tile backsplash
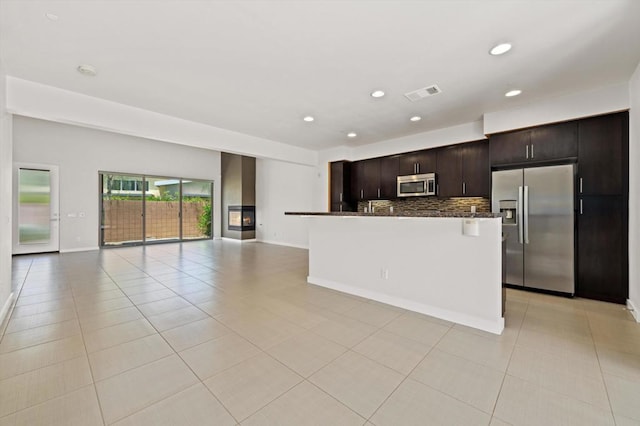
[417,204]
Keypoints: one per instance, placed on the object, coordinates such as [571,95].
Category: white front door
[35,209]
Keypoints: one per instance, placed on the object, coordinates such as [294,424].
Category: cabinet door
[371,178]
[340,188]
[357,181]
[600,154]
[602,249]
[427,161]
[554,142]
[417,162]
[408,163]
[509,148]
[476,169]
[449,171]
[389,177]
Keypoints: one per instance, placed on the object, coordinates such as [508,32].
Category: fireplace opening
[242,218]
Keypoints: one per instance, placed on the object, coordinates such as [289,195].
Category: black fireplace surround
[242,218]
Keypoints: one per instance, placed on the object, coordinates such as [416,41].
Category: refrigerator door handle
[526,214]
[520,217]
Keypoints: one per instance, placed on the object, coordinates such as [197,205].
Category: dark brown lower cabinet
[602,249]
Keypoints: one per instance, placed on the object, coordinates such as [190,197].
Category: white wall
[282,187]
[5,199]
[51,103]
[634,192]
[81,152]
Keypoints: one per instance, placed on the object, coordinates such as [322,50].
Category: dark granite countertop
[398,214]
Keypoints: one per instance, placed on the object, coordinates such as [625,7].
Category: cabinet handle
[378,192]
[418,167]
[580,205]
[527,151]
[464,188]
[341,197]
[581,185]
[438,189]
[362,193]
[531,151]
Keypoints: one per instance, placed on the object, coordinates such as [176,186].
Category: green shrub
[204,221]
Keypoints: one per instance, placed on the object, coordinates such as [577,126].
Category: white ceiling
[258,67]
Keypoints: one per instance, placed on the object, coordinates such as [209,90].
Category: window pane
[196,209]
[34,211]
[121,211]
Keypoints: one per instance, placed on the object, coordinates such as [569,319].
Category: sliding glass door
[122,209]
[196,209]
[162,209]
[138,209]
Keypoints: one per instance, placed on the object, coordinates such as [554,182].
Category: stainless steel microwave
[417,185]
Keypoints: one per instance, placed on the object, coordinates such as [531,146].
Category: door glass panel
[162,209]
[196,209]
[34,209]
[121,209]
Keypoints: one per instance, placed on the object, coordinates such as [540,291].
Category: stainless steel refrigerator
[537,205]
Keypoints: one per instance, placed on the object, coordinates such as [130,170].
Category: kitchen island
[446,265]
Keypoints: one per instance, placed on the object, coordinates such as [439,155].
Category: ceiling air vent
[425,92]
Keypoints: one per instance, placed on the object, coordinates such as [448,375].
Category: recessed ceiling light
[88,70]
[352,134]
[416,118]
[512,93]
[500,49]
[51,16]
[308,119]
[377,93]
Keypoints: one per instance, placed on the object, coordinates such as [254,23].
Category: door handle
[520,217]
[526,214]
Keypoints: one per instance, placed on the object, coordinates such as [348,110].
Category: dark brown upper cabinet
[476,169]
[449,171]
[464,170]
[389,176]
[540,144]
[340,184]
[365,178]
[602,152]
[417,162]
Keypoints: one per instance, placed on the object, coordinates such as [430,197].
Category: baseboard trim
[281,243]
[249,240]
[6,308]
[633,309]
[491,326]
[73,250]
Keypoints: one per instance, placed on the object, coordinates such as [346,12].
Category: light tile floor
[217,333]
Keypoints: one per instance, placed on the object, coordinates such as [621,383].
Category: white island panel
[423,264]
